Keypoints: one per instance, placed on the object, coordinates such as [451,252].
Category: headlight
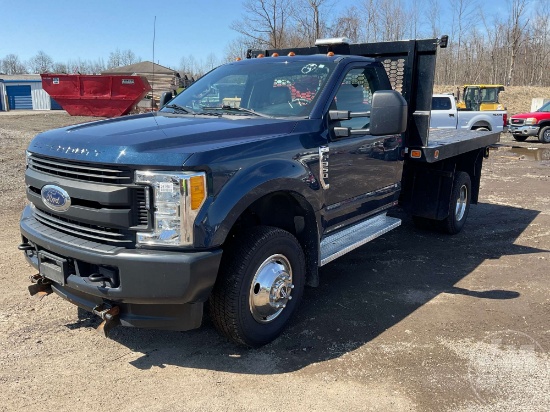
[531,120]
[177,199]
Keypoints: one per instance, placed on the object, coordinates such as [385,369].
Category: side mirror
[388,113]
[165,98]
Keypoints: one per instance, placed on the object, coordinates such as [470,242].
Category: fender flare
[218,215]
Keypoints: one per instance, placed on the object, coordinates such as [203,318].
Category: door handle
[451,115]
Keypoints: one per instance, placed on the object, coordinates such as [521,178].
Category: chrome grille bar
[78,171]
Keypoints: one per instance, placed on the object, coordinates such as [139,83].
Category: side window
[355,95]
[441,103]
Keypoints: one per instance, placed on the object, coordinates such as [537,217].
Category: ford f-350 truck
[237,191]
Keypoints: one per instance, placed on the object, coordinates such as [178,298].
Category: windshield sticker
[308,68]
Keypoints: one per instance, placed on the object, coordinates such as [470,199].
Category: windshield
[545,108]
[279,88]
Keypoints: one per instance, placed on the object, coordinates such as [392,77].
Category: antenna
[153,85]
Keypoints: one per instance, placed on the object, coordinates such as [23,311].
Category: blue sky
[92,29]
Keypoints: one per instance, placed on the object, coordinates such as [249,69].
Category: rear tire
[520,138]
[544,134]
[482,129]
[259,286]
[459,205]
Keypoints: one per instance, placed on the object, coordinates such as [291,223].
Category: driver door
[363,170]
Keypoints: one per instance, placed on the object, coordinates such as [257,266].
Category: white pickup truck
[445,115]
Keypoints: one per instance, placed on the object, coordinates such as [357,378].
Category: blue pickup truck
[235,193]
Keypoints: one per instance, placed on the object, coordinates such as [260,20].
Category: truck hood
[537,115]
[162,139]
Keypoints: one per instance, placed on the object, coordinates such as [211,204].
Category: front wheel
[459,205]
[544,134]
[260,285]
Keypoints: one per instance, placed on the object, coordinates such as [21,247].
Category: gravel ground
[414,321]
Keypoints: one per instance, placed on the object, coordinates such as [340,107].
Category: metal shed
[23,92]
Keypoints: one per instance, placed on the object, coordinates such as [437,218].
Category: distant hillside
[517,99]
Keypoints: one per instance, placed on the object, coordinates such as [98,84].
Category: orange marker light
[275,55]
[238,59]
[330,54]
[196,189]
[292,54]
[416,154]
[259,56]
[436,154]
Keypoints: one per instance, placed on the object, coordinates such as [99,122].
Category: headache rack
[410,65]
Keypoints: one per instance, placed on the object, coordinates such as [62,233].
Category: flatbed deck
[446,143]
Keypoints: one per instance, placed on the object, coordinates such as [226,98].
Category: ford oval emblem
[56,198]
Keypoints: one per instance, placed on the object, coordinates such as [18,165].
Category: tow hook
[109,314]
[40,286]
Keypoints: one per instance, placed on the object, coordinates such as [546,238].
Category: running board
[345,240]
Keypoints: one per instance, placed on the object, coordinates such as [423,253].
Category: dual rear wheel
[459,207]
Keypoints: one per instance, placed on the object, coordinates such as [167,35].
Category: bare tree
[211,62]
[518,24]
[12,65]
[433,12]
[40,63]
[128,57]
[236,49]
[463,18]
[349,24]
[120,58]
[264,22]
[59,67]
[310,19]
[393,19]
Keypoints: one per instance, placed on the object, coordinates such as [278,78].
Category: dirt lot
[414,321]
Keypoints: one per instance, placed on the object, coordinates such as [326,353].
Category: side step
[345,240]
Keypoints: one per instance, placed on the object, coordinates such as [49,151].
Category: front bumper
[524,130]
[153,288]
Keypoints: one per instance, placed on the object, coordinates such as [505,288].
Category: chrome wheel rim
[271,289]
[461,203]
[546,135]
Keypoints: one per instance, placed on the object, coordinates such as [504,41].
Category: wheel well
[482,124]
[290,212]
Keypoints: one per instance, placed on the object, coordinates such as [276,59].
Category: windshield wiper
[179,108]
[234,109]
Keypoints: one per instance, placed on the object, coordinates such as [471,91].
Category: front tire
[459,205]
[259,286]
[544,134]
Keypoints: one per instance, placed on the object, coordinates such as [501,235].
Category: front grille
[79,171]
[517,122]
[82,230]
